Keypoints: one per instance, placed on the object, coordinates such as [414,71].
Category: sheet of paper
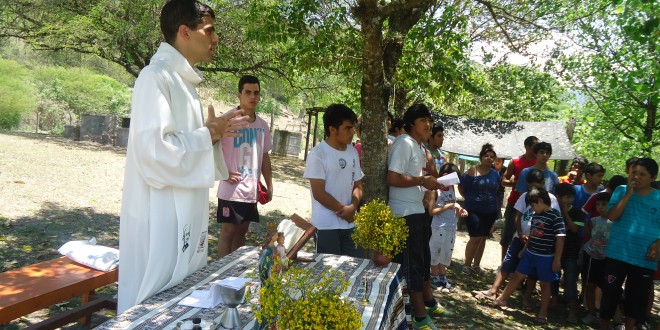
[449,179]
[211,297]
[199,299]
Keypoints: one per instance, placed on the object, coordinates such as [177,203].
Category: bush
[78,91]
[16,93]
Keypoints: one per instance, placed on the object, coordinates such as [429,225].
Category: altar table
[161,311]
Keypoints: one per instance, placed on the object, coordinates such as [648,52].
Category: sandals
[493,303]
[482,295]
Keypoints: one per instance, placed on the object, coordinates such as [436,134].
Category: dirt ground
[53,190]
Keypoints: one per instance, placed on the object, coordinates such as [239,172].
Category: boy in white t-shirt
[335,179]
[445,211]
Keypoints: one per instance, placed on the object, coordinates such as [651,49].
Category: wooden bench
[39,286]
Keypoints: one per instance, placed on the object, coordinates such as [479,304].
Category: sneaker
[425,324]
[590,319]
[467,270]
[446,286]
[438,310]
[477,270]
[436,282]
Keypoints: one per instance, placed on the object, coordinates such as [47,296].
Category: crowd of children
[608,237]
[557,229]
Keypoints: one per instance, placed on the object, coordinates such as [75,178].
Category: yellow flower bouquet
[299,299]
[378,229]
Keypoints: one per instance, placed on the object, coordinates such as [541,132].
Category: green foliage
[300,299]
[269,107]
[434,65]
[378,229]
[595,140]
[616,64]
[81,91]
[511,92]
[16,93]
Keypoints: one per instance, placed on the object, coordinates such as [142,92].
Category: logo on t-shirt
[342,163]
[537,231]
[611,279]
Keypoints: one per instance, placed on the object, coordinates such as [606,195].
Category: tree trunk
[374,108]
[380,58]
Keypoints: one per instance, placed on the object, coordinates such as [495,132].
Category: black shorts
[593,270]
[479,224]
[415,259]
[237,212]
[638,284]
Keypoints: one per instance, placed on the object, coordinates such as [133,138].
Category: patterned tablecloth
[161,311]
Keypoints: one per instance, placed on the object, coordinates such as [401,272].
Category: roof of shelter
[465,136]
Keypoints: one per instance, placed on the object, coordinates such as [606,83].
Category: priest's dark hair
[182,12]
[335,115]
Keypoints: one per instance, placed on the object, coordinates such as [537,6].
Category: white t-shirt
[447,219]
[527,213]
[406,157]
[340,169]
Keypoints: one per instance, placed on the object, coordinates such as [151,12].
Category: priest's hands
[225,125]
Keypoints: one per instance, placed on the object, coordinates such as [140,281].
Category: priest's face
[202,41]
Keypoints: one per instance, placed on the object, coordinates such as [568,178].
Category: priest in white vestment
[171,161]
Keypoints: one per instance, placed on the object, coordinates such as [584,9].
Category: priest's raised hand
[225,125]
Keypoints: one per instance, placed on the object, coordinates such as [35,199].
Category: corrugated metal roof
[466,136]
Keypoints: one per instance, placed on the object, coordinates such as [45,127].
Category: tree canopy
[612,54]
[380,56]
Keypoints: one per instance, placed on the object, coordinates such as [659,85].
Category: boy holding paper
[445,211]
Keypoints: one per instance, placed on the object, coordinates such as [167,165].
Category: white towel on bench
[87,253]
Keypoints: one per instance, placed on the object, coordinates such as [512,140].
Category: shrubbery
[78,91]
[56,96]
[16,93]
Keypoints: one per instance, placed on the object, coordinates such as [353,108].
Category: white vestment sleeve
[166,155]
